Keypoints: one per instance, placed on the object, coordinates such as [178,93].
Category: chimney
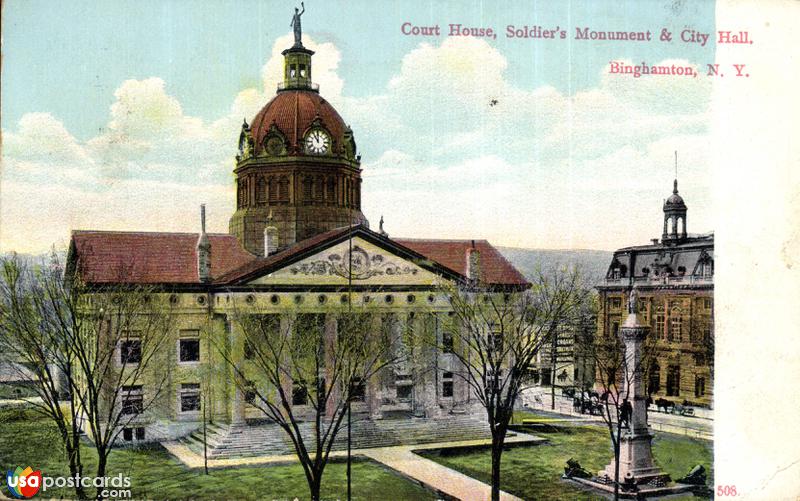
[473,263]
[203,249]
[270,237]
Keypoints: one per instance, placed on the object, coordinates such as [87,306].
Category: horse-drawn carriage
[588,402]
[670,407]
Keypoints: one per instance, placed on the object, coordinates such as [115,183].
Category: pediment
[372,264]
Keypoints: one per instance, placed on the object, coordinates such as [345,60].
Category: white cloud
[450,148]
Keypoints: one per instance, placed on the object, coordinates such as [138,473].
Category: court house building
[297,226]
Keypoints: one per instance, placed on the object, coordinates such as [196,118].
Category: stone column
[236,340]
[635,455]
[331,329]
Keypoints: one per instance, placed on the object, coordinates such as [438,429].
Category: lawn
[533,472]
[28,439]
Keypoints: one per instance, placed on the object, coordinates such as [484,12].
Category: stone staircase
[267,439]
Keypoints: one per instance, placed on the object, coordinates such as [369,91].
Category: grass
[533,472]
[29,439]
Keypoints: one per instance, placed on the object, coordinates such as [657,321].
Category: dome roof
[293,112]
[675,201]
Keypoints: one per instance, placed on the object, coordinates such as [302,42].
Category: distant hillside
[592,263]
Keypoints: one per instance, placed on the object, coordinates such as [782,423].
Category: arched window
[243,198]
[319,187]
[283,189]
[654,378]
[680,225]
[669,225]
[330,196]
[261,191]
[273,190]
[675,325]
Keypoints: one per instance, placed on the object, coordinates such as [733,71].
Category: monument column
[635,455]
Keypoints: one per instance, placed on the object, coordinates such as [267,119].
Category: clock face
[317,142]
[274,146]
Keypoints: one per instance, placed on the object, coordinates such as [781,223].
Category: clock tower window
[308,185]
[273,190]
[283,189]
[261,191]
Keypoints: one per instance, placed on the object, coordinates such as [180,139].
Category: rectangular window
[447,389]
[299,393]
[615,328]
[699,386]
[358,390]
[132,399]
[673,381]
[189,350]
[190,397]
[708,330]
[495,342]
[707,303]
[404,386]
[130,352]
[615,303]
[249,350]
[546,376]
[447,385]
[447,342]
[404,392]
[250,392]
[140,433]
[127,434]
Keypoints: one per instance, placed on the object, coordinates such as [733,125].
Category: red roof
[293,112]
[261,263]
[494,268]
[144,257]
[170,258]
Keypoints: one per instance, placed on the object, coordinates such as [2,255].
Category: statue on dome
[298,31]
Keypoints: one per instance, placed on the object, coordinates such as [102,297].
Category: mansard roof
[643,264]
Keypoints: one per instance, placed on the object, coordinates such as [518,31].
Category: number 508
[726,490]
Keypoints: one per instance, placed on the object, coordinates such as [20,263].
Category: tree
[99,342]
[496,335]
[30,343]
[318,360]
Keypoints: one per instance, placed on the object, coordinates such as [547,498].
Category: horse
[663,403]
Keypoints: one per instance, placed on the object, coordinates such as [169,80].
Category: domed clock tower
[297,170]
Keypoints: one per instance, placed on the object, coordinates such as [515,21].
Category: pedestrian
[625,411]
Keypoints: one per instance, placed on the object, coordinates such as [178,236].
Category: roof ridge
[452,240]
[139,232]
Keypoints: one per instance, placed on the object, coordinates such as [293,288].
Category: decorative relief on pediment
[364,265]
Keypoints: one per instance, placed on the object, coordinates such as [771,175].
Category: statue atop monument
[298,30]
[632,301]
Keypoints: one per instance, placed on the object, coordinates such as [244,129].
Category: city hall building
[674,277]
[297,227]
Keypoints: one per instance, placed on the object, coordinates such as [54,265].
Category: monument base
[636,465]
[639,492]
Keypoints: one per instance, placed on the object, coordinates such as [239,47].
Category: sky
[125,116]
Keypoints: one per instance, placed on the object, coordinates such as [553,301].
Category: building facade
[298,245]
[674,277]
